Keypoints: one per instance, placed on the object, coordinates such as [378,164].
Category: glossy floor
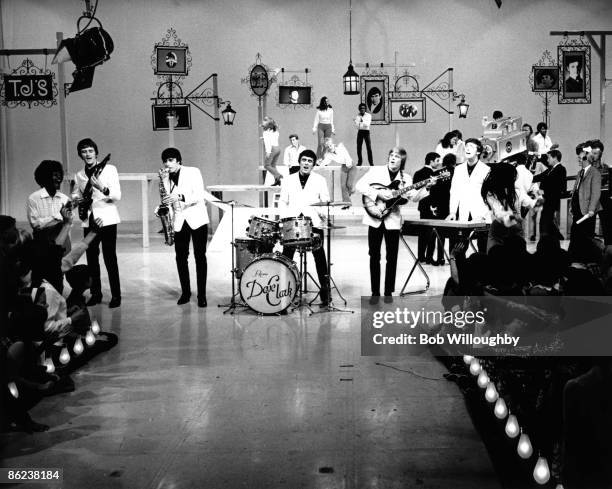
[192,398]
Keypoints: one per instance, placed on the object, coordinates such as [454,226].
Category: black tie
[580,178]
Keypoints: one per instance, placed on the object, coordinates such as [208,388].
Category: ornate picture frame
[545,78]
[375,94]
[407,109]
[575,73]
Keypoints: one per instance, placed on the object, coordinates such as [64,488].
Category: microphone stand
[233,304]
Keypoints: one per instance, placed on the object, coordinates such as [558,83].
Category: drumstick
[582,219]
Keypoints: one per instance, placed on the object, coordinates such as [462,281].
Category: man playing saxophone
[186,196]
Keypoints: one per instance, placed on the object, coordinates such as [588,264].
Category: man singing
[298,192]
[103,180]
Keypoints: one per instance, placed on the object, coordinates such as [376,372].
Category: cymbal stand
[233,304]
[332,284]
[304,274]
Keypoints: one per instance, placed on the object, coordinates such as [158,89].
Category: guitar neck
[414,186]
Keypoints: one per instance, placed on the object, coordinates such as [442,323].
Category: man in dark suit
[585,204]
[426,242]
[553,184]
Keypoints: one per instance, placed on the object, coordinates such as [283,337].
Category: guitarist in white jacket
[389,227]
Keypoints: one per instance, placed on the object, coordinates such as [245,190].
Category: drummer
[298,192]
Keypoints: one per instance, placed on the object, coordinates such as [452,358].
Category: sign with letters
[28,88]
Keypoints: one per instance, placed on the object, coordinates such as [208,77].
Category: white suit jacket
[103,206]
[465,193]
[295,200]
[193,210]
[380,174]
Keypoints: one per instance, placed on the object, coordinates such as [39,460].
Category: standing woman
[270,138]
[323,125]
[452,143]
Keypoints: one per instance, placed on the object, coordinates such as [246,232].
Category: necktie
[580,178]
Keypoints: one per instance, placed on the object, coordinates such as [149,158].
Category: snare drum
[269,283]
[247,250]
[262,229]
[296,231]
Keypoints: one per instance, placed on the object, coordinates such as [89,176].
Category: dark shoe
[94,299]
[202,303]
[114,302]
[388,299]
[184,299]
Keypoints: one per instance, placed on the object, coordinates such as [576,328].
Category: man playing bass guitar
[388,226]
[102,181]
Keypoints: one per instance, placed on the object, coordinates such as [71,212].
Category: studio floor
[194,398]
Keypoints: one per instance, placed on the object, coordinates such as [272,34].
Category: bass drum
[269,283]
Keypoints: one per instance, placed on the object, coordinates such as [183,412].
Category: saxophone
[163,211]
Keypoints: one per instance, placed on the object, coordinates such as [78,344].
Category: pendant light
[350,80]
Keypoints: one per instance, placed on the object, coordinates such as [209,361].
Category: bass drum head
[269,283]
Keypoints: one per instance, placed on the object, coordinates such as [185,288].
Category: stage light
[467,359]
[512,426]
[501,410]
[90,338]
[13,390]
[491,394]
[541,472]
[475,366]
[95,327]
[49,365]
[78,347]
[64,356]
[483,379]
[524,448]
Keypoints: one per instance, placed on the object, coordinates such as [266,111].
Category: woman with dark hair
[504,199]
[452,143]
[323,125]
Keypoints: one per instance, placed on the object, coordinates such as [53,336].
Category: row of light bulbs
[64,358]
[541,471]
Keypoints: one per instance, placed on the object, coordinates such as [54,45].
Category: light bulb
[483,379]
[90,338]
[64,356]
[95,327]
[475,366]
[524,448]
[500,409]
[13,389]
[467,359]
[541,472]
[559,486]
[491,394]
[49,365]
[512,426]
[78,347]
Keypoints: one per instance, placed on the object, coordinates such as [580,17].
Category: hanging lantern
[524,448]
[463,108]
[512,426]
[501,410]
[228,115]
[350,81]
[483,379]
[491,394]
[64,356]
[541,472]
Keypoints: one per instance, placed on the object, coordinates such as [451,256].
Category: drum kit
[268,281]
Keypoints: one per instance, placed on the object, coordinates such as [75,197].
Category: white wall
[491,50]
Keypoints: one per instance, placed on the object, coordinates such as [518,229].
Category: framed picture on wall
[407,109]
[545,78]
[575,74]
[375,94]
[294,95]
[160,113]
[171,60]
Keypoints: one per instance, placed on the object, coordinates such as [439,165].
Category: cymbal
[330,204]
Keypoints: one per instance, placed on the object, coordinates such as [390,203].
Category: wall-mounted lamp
[228,113]
[350,80]
[462,106]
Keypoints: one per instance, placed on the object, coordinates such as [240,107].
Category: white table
[145,179]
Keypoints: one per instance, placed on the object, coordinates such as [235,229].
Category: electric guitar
[84,204]
[379,208]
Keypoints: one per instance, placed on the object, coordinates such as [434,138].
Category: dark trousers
[106,235]
[181,249]
[364,135]
[320,263]
[605,218]
[549,223]
[375,237]
[581,235]
[426,240]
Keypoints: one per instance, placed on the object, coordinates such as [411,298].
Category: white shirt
[465,192]
[324,117]
[290,157]
[524,178]
[295,200]
[103,206]
[270,140]
[339,156]
[363,121]
[43,210]
[544,143]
